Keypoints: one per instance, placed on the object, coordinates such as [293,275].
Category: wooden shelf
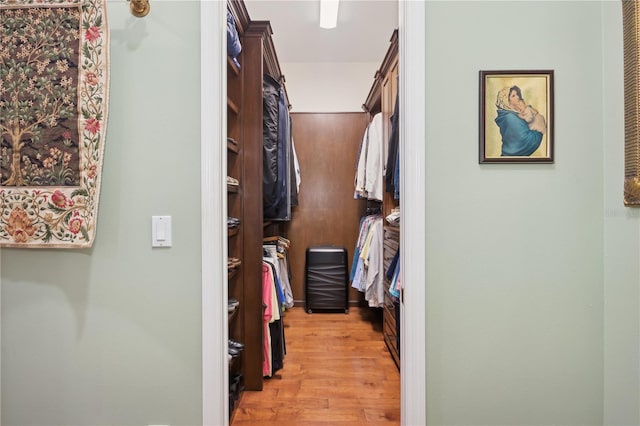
[233,147]
[381,99]
[233,273]
[373,101]
[233,67]
[233,314]
[245,163]
[232,106]
[232,361]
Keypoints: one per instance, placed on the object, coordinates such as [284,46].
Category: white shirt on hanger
[373,178]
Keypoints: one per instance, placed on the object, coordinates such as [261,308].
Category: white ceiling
[362,35]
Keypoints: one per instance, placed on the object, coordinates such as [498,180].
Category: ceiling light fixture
[329,13]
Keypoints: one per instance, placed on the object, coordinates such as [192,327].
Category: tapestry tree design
[54,85]
[38,99]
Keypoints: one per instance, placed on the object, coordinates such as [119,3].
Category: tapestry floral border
[34,213]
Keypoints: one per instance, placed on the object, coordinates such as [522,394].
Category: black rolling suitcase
[326,279]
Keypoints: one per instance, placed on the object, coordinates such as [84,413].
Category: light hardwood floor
[337,371]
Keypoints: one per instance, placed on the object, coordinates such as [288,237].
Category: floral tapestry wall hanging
[54,87]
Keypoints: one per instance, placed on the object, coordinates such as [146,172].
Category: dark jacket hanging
[270,100]
[276,151]
[394,144]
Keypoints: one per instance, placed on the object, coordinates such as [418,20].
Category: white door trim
[215,409]
[412,230]
[213,92]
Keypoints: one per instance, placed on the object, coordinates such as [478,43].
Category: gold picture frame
[516,116]
[630,22]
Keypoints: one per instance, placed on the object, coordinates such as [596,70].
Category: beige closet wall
[329,86]
[112,335]
[327,146]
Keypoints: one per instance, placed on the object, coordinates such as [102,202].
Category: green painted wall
[515,270]
[532,270]
[621,243]
[112,335]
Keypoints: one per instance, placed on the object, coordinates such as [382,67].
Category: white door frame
[215,394]
[213,111]
[412,33]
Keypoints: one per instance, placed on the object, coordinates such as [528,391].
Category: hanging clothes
[368,274]
[296,165]
[393,275]
[279,184]
[273,330]
[368,180]
[275,251]
[276,329]
[267,317]
[234,47]
[293,170]
[392,171]
[270,120]
[285,278]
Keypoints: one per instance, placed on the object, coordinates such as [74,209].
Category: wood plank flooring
[337,371]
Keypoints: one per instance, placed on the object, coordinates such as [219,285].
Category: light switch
[160,231]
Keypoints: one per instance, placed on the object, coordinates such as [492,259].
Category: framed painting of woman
[516,116]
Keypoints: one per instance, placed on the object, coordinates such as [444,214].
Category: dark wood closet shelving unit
[388,69]
[232,274]
[245,163]
[381,98]
[233,68]
[233,107]
[233,315]
[233,147]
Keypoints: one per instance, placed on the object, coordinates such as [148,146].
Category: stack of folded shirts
[233,263]
[232,181]
[233,304]
[235,348]
[278,241]
[233,222]
[394,217]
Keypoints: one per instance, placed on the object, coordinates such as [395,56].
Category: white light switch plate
[160,231]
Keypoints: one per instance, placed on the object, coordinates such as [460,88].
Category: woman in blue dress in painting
[521,127]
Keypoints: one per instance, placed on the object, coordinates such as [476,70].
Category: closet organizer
[252,65]
[375,267]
